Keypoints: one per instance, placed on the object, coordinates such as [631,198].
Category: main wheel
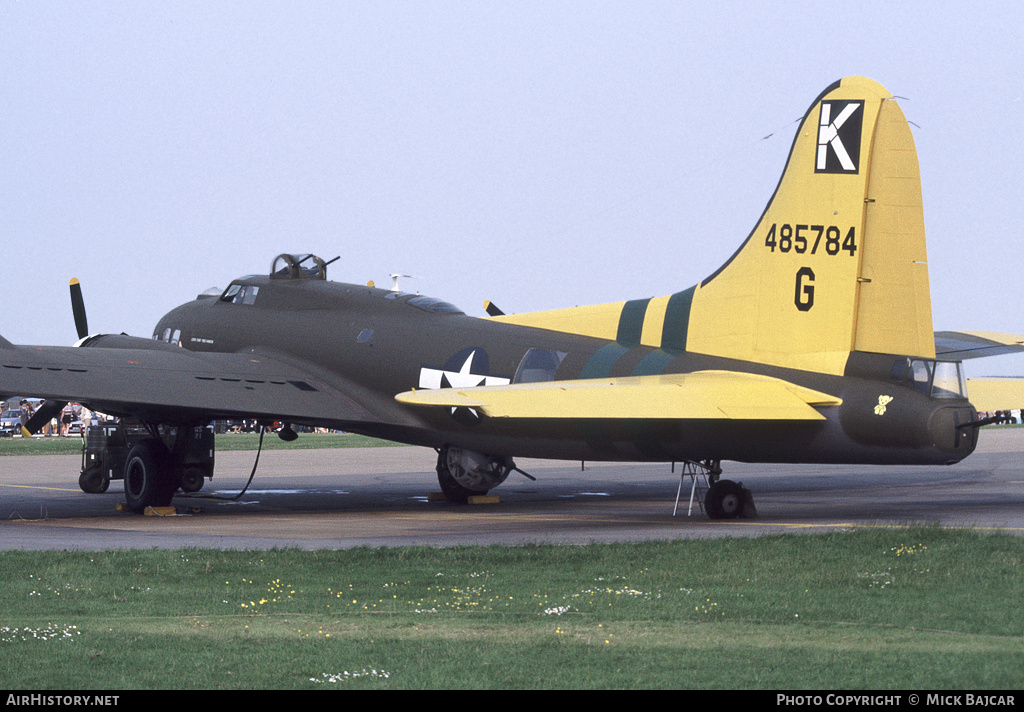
[724,500]
[453,491]
[147,476]
[464,473]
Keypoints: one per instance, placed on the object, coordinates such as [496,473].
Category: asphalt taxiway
[335,498]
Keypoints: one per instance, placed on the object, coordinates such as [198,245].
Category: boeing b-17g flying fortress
[813,343]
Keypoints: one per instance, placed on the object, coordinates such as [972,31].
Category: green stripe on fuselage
[677,320]
[631,322]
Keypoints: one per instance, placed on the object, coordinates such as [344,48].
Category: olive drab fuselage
[372,344]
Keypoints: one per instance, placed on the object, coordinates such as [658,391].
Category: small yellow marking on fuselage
[882,402]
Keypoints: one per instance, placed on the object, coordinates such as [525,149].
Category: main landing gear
[463,473]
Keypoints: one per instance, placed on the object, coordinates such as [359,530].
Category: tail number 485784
[803,239]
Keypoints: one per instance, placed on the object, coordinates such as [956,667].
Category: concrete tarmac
[336,498]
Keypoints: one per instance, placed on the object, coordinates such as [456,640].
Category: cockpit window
[240,294]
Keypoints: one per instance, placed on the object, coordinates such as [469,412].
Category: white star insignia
[463,378]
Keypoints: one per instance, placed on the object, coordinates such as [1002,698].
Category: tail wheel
[147,476]
[724,500]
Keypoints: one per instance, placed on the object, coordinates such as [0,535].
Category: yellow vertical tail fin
[836,263]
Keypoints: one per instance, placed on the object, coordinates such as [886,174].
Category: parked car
[10,423]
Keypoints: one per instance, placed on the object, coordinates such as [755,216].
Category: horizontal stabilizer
[958,345]
[988,395]
[715,395]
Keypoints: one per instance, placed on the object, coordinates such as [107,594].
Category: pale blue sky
[538,154]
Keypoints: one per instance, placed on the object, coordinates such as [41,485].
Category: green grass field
[882,609]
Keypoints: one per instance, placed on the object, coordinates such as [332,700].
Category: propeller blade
[78,309]
[49,410]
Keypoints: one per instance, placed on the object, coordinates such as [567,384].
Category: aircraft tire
[147,476]
[94,480]
[724,500]
[453,491]
[192,479]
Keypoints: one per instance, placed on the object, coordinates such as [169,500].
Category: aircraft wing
[991,394]
[701,395]
[959,345]
[986,394]
[172,384]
